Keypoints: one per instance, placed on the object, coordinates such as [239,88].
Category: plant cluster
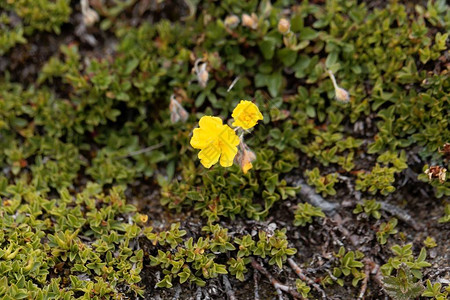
[323,184]
[124,113]
[406,284]
[371,208]
[349,264]
[305,212]
[35,16]
[83,237]
[196,261]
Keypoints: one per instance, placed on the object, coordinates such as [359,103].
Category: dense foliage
[95,123]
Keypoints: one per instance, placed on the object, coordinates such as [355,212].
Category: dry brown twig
[306,279]
[276,284]
[365,281]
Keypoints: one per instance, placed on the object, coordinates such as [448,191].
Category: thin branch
[228,288]
[144,150]
[276,284]
[305,278]
[255,279]
[233,83]
[310,195]
[365,281]
[401,214]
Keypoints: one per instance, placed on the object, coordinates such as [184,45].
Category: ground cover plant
[224,149]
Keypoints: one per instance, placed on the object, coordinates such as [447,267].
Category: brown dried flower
[436,172]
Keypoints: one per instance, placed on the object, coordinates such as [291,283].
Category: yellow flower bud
[143,218]
[284,26]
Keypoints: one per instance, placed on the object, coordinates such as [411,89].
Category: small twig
[303,277]
[310,195]
[401,214]
[233,83]
[228,288]
[255,279]
[365,280]
[276,284]
[351,190]
[147,149]
[331,275]
[280,294]
[373,268]
[377,273]
[337,219]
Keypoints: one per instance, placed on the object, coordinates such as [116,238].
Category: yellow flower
[246,115]
[215,140]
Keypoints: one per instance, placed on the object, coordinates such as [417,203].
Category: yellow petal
[228,141]
[227,157]
[210,127]
[210,123]
[209,155]
[247,167]
[200,138]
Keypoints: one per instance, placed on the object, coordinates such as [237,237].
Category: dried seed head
[445,150]
[436,172]
[177,112]
[245,157]
[250,21]
[201,72]
[203,75]
[232,21]
[90,16]
[340,94]
[442,175]
[284,26]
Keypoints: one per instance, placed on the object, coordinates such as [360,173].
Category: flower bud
[177,112]
[284,26]
[90,16]
[201,72]
[232,21]
[340,94]
[250,21]
[203,75]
